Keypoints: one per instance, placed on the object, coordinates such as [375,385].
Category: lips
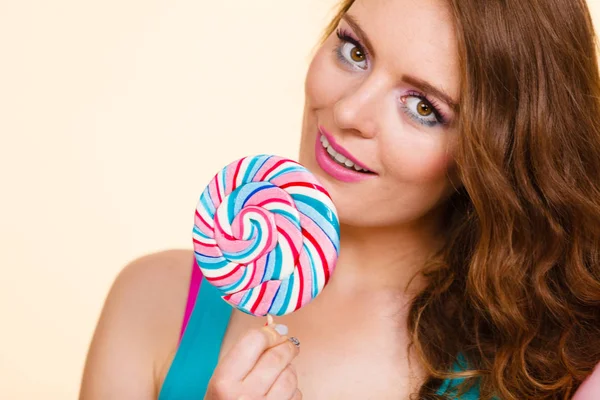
[337,161]
[340,150]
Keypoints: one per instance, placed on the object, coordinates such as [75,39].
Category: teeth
[340,159]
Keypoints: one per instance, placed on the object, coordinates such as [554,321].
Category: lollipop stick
[269,319]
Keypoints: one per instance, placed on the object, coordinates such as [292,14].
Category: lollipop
[266,234]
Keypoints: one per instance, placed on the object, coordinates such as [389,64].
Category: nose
[359,109]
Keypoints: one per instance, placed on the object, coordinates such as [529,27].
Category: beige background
[113,117]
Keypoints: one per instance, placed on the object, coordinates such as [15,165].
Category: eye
[350,51]
[421,110]
[354,55]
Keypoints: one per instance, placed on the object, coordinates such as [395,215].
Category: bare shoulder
[139,326]
[153,276]
[153,289]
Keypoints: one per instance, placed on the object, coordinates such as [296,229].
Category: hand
[258,367]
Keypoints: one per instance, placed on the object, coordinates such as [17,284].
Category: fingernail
[281,329]
[295,341]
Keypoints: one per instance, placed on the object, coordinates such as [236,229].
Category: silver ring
[295,341]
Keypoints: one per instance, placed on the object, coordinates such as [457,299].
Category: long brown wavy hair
[515,291]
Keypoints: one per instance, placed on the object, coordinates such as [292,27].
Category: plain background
[114,115]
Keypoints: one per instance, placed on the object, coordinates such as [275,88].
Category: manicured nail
[295,341]
[281,329]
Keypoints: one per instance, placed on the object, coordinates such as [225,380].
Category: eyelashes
[420,100]
[349,48]
[353,54]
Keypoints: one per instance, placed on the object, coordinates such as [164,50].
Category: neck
[385,259]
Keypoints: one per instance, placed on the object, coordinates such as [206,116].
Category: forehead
[412,37]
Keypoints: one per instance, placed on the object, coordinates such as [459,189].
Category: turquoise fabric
[450,386]
[198,351]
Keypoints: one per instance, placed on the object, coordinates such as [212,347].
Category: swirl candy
[266,234]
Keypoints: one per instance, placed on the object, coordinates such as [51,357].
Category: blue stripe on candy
[230,207]
[198,232]
[247,174]
[234,286]
[246,297]
[276,273]
[273,299]
[269,267]
[263,159]
[294,219]
[313,270]
[250,190]
[321,214]
[210,262]
[265,269]
[286,170]
[222,184]
[288,293]
[208,203]
[278,300]
[209,259]
[238,198]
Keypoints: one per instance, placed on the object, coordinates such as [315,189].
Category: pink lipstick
[337,161]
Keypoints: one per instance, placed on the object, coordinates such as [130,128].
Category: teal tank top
[205,322]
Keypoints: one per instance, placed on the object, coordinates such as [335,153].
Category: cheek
[423,163]
[322,81]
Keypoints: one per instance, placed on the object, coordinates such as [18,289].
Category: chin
[353,212]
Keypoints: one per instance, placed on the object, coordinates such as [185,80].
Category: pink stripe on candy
[259,270]
[272,193]
[269,167]
[213,190]
[202,225]
[304,265]
[305,184]
[262,304]
[273,201]
[322,257]
[210,250]
[237,170]
[294,179]
[219,231]
[229,278]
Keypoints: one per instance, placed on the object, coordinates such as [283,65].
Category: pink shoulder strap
[195,282]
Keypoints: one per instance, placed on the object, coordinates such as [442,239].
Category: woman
[470,252]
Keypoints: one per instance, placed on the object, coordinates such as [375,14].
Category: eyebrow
[359,32]
[430,89]
[411,80]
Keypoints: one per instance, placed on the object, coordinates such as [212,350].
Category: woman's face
[380,95]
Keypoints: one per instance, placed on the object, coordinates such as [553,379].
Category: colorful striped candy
[266,234]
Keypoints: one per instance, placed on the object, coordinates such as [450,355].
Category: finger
[269,366]
[242,357]
[285,386]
